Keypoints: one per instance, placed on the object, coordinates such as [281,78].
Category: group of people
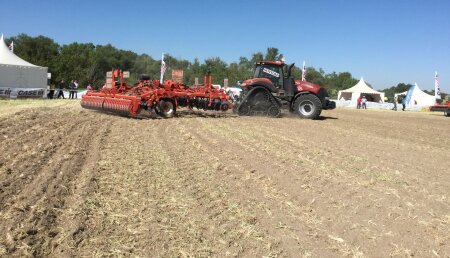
[361,103]
[402,100]
[73,90]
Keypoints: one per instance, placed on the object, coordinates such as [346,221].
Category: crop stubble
[356,183]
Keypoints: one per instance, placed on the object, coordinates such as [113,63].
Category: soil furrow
[359,183]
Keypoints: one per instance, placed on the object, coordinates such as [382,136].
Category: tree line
[88,63]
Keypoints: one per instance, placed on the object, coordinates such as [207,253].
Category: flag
[163,69]
[437,90]
[11,46]
[304,72]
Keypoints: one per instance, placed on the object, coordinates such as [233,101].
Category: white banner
[437,89]
[14,93]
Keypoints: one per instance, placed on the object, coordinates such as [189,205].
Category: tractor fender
[260,82]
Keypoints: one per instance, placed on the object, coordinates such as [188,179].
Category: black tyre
[167,108]
[447,112]
[307,106]
[224,107]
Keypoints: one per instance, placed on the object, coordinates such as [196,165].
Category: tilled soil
[355,183]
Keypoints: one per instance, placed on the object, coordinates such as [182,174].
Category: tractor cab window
[273,73]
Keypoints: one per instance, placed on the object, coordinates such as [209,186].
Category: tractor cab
[278,73]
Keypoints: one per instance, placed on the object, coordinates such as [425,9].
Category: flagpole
[163,64]
[437,90]
[304,71]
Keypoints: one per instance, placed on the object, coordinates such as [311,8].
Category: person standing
[363,102]
[51,91]
[75,82]
[358,102]
[60,89]
[395,104]
[403,103]
[71,90]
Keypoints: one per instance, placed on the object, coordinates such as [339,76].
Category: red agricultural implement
[117,96]
[445,108]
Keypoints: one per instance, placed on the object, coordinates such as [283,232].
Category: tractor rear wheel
[447,112]
[308,106]
[167,108]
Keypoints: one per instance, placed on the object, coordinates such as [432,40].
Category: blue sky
[386,42]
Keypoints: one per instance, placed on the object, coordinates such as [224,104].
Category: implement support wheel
[166,108]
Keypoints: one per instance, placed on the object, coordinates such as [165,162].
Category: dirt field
[357,183]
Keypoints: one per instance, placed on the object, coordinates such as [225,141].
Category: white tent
[416,98]
[359,90]
[18,78]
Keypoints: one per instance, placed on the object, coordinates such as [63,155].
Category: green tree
[401,87]
[218,69]
[245,69]
[273,54]
[257,57]
[76,62]
[37,50]
[88,64]
[144,64]
[314,76]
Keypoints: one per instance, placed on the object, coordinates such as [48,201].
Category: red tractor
[274,88]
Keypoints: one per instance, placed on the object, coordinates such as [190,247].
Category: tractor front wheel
[167,108]
[307,106]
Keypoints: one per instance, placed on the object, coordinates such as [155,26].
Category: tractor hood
[307,86]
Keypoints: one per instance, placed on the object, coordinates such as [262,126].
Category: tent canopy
[415,97]
[359,90]
[9,58]
[19,78]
